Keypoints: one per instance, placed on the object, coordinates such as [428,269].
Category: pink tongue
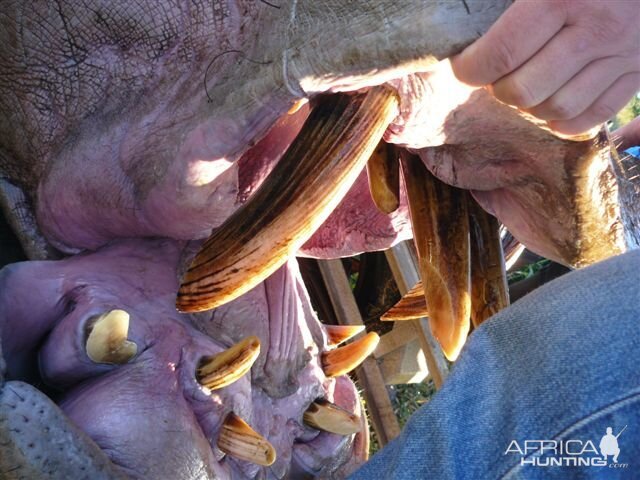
[357,226]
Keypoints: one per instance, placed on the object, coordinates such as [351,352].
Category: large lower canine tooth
[303,189]
[383,171]
[241,441]
[413,305]
[440,223]
[341,333]
[226,367]
[344,359]
[489,291]
[107,340]
[326,416]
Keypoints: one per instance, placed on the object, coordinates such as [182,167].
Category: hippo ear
[31,302]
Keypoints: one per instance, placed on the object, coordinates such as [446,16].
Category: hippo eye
[107,338]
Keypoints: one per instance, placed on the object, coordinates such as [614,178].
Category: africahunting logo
[569,453]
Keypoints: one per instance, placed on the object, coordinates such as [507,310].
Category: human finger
[517,35]
[578,94]
[605,107]
[566,54]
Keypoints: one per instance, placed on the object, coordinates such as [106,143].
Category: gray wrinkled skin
[38,442]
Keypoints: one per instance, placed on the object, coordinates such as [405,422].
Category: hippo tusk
[336,334]
[107,340]
[344,359]
[241,441]
[411,306]
[383,172]
[226,367]
[440,225]
[328,417]
[300,193]
[489,291]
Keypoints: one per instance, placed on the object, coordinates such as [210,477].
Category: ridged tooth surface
[337,334]
[328,417]
[489,290]
[107,340]
[226,367]
[440,223]
[241,441]
[344,359]
[383,172]
[411,306]
[306,185]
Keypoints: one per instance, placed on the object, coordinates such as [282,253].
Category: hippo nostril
[326,416]
[107,340]
[241,441]
[226,367]
[344,359]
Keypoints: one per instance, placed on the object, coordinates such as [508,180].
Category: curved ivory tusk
[303,189]
[489,291]
[440,223]
[241,441]
[226,367]
[344,359]
[383,172]
[328,417]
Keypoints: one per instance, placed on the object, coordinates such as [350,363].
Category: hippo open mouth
[114,148]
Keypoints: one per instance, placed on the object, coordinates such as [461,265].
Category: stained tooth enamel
[325,416]
[107,340]
[336,334]
[383,172]
[344,359]
[303,189]
[239,440]
[412,305]
[226,367]
[440,223]
[489,291]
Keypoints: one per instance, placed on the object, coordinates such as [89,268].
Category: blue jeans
[554,370]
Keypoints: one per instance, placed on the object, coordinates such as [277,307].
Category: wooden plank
[384,420]
[402,333]
[404,266]
[405,365]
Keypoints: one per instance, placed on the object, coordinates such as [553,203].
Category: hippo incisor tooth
[107,340]
[337,334]
[306,185]
[383,172]
[412,305]
[328,417]
[489,291]
[241,441]
[224,368]
[440,223]
[344,359]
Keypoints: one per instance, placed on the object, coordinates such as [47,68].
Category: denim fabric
[563,363]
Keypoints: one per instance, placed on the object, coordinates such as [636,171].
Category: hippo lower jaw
[160,395]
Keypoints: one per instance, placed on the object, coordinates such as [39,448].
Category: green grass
[527,271]
[405,400]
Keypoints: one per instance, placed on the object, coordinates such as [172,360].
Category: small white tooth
[107,341]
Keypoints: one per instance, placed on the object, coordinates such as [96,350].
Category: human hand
[574,63]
